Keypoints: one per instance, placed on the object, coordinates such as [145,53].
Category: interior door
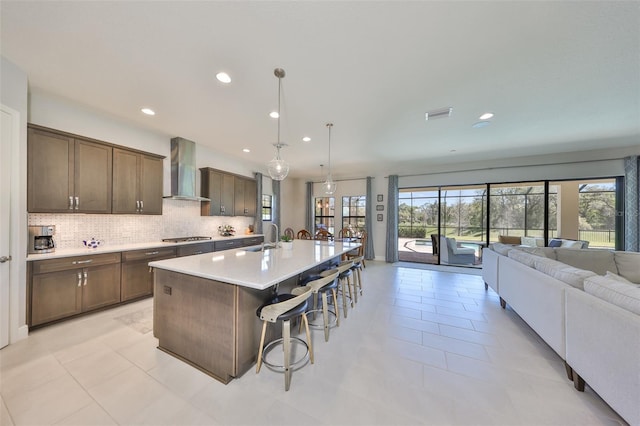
[9,132]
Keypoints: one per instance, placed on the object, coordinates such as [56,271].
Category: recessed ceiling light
[274,114]
[246,150]
[486,116]
[223,77]
[148,111]
[480,124]
[306,139]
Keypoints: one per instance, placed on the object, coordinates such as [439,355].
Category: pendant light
[278,168]
[329,185]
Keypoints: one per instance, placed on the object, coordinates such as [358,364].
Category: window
[353,212]
[325,208]
[518,210]
[266,208]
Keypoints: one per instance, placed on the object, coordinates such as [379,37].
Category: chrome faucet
[274,245]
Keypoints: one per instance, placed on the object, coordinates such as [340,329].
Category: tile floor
[421,347]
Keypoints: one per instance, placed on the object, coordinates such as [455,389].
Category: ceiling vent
[438,113]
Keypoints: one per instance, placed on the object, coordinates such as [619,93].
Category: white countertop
[259,270]
[80,251]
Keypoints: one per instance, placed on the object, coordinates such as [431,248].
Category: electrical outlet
[167,290]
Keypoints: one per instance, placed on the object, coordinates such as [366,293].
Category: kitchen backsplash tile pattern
[179,219]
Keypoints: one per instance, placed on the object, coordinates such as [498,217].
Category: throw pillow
[555,243]
[628,263]
[507,239]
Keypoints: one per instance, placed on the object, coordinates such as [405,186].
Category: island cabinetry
[244,196]
[208,324]
[137,276]
[137,182]
[60,288]
[198,248]
[219,188]
[67,174]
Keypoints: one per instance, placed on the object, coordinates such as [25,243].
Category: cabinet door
[50,172]
[125,181]
[227,195]
[56,295]
[137,280]
[250,198]
[100,286]
[210,187]
[238,191]
[92,169]
[151,185]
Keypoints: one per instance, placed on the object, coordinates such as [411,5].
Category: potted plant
[287,242]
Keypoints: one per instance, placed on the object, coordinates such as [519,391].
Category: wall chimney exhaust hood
[183,170]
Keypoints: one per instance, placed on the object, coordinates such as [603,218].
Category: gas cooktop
[183,239]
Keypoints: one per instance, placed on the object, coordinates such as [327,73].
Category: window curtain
[275,207]
[369,254]
[632,203]
[257,222]
[391,254]
[308,222]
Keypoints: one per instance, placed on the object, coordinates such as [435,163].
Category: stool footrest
[279,341]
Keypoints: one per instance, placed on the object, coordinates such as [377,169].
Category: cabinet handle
[80,262]
[150,269]
[197,252]
[141,205]
[85,277]
[77,203]
[137,205]
[151,253]
[79,279]
[70,202]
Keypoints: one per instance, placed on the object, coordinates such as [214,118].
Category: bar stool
[357,276]
[284,307]
[344,278]
[325,283]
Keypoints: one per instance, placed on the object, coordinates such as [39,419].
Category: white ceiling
[560,76]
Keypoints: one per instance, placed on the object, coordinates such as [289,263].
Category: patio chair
[451,253]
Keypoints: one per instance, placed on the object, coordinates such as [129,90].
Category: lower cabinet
[68,286]
[192,249]
[137,276]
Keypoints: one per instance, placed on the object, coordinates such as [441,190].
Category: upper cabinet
[230,195]
[137,182]
[72,174]
[67,174]
[245,196]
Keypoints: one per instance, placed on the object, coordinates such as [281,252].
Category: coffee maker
[41,239]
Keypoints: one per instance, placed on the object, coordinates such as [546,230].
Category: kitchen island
[205,305]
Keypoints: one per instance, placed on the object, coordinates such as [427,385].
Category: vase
[287,245]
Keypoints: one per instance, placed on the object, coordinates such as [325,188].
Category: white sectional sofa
[586,305]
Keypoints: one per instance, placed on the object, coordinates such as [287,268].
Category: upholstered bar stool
[284,307]
[327,282]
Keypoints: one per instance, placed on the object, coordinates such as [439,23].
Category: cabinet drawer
[192,249]
[227,244]
[252,241]
[74,262]
[150,254]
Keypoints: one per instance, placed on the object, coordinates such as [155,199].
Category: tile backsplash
[179,219]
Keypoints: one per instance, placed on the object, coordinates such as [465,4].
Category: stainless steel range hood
[183,170]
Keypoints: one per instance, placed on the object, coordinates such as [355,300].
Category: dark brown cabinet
[245,196]
[137,276]
[67,174]
[230,195]
[65,287]
[191,249]
[137,183]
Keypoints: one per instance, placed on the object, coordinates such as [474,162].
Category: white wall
[13,93]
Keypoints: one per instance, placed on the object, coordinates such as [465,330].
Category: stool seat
[292,313]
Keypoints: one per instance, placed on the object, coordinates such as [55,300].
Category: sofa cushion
[573,276]
[533,241]
[500,248]
[628,263]
[507,239]
[539,251]
[617,278]
[523,257]
[598,261]
[561,271]
[626,296]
